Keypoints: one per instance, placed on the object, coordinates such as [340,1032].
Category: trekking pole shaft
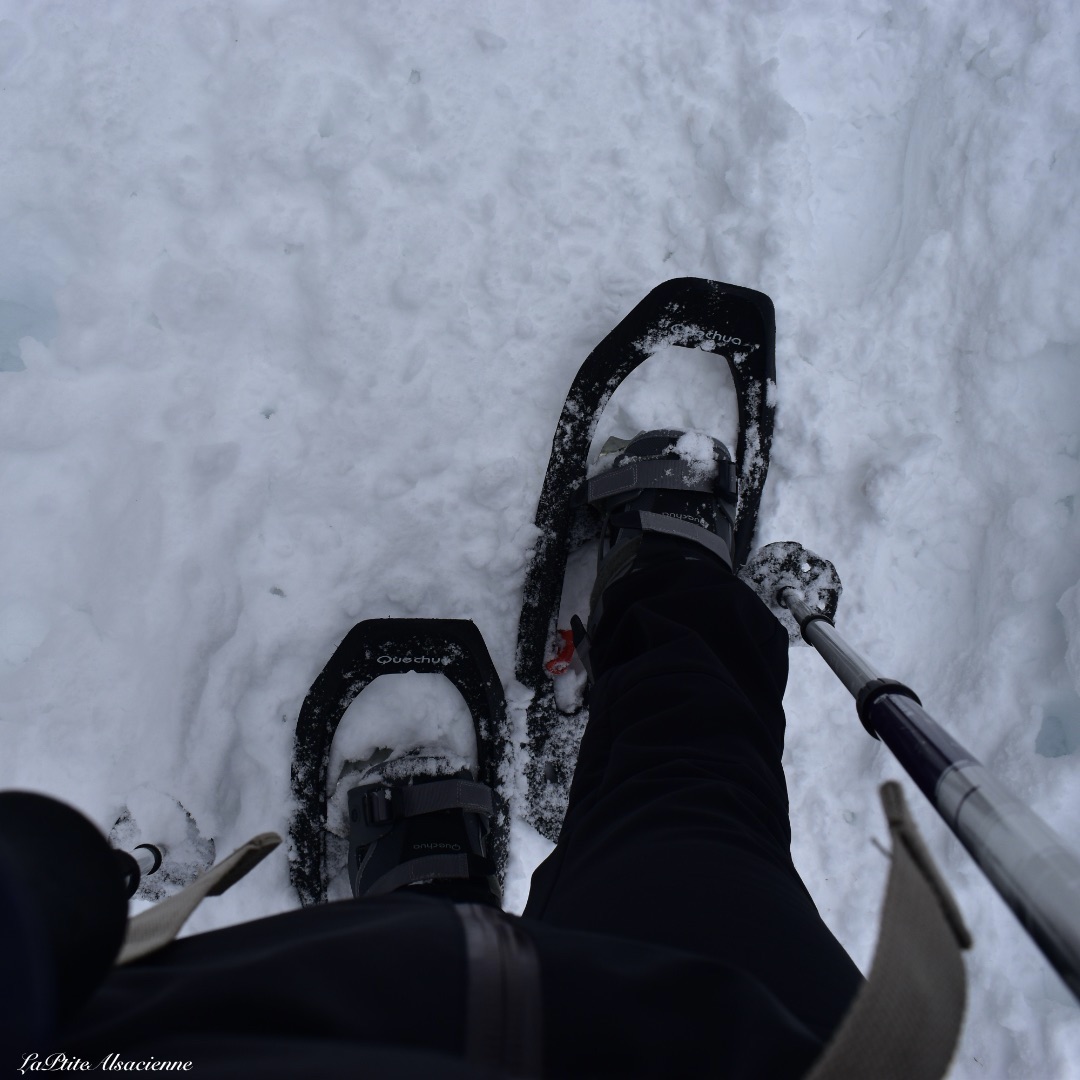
[148,856]
[1036,874]
[135,865]
[850,668]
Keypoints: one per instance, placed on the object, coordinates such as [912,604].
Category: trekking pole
[1036,874]
[135,865]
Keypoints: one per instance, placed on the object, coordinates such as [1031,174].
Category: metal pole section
[135,865]
[1035,872]
[148,856]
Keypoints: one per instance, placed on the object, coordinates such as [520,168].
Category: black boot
[668,494]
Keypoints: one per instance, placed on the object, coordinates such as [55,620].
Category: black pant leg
[678,832]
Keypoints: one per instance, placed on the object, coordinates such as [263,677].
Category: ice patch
[13,43]
[1069,606]
[28,277]
[1059,735]
[23,627]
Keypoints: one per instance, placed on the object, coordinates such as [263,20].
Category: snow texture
[698,451]
[290,297]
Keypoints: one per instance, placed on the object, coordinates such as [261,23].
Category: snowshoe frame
[729,321]
[451,647]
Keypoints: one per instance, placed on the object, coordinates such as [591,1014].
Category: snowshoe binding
[666,492]
[415,819]
[422,829]
[661,482]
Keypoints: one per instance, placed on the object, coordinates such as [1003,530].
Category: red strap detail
[562,660]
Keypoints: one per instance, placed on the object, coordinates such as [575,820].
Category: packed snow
[290,297]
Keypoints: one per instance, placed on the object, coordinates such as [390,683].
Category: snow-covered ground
[290,296]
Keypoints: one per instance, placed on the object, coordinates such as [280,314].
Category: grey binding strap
[674,526]
[504,1007]
[464,795]
[669,474]
[905,1021]
[412,800]
[425,868]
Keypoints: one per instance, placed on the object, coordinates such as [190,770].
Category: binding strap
[668,474]
[504,1005]
[648,521]
[905,1021]
[412,800]
[378,811]
[430,868]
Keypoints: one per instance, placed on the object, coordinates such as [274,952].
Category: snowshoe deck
[729,321]
[450,647]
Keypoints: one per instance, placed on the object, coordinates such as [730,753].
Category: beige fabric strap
[905,1021]
[154,928]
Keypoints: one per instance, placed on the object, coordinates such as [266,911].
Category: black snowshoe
[731,322]
[415,818]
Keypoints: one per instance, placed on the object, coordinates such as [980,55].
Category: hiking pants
[668,934]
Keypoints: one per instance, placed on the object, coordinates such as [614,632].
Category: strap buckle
[378,809]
